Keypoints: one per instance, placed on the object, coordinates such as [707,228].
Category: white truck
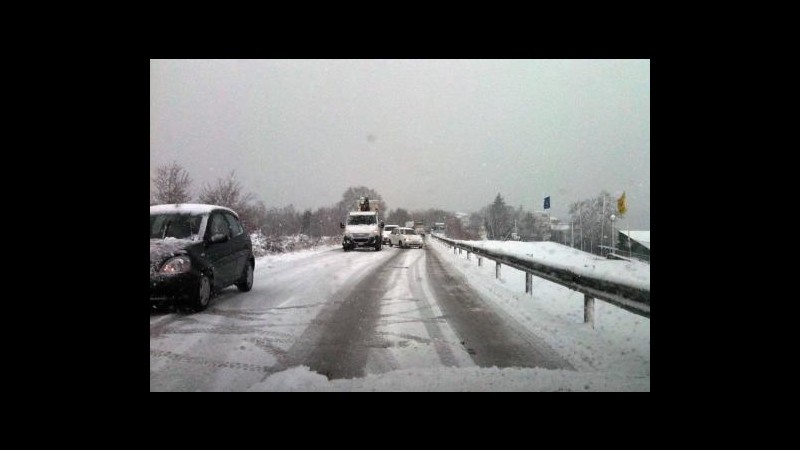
[417,226]
[364,227]
[420,227]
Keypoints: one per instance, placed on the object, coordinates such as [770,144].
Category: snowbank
[263,245]
[472,379]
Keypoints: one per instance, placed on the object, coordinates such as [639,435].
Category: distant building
[557,231]
[542,228]
[635,243]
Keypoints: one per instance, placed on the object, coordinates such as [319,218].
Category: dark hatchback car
[195,251]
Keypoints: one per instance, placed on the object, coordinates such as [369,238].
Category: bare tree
[475,226]
[228,192]
[398,216]
[456,230]
[285,221]
[305,225]
[327,221]
[352,194]
[254,216]
[171,184]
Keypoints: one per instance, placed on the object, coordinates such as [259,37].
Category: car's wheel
[246,282]
[202,296]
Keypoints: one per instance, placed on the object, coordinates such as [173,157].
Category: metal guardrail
[629,298]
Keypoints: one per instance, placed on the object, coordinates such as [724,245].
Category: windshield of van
[362,220]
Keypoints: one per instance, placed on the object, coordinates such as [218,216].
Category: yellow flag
[621,205]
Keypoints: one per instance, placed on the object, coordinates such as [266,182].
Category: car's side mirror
[219,237]
[341,225]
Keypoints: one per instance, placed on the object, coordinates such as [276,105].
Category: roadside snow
[470,379]
[631,273]
[619,341]
[269,259]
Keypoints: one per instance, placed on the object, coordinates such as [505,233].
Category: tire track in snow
[431,318]
[491,337]
[338,347]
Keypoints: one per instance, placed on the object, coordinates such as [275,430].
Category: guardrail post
[454,249]
[467,256]
[588,310]
[497,269]
[480,261]
[528,283]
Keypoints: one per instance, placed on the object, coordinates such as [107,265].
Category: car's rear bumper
[411,244]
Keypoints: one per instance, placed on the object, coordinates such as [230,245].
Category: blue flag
[547,202]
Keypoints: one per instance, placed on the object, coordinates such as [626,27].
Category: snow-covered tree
[499,219]
[527,225]
[591,223]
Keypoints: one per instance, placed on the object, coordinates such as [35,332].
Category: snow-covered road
[343,315]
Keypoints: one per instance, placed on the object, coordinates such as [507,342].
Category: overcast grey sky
[446,134]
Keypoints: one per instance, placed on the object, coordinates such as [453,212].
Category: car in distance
[195,251]
[387,230]
[405,237]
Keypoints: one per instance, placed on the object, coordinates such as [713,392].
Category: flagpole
[549,225]
[603,226]
[547,208]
